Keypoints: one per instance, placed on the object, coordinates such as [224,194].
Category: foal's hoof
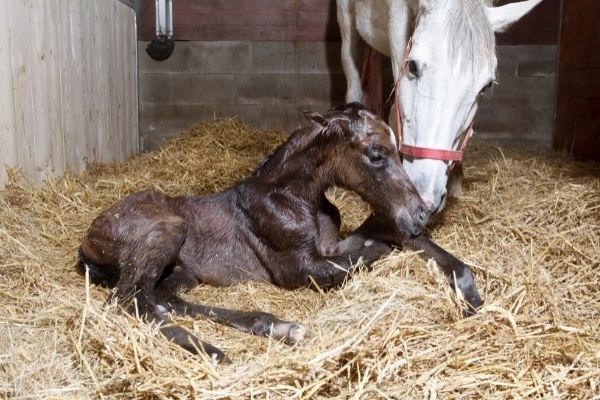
[291,332]
[215,354]
[296,334]
[471,307]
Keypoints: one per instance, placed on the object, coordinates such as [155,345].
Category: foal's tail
[101,275]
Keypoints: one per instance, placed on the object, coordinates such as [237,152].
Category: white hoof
[296,333]
[290,332]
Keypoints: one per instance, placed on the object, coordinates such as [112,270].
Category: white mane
[471,37]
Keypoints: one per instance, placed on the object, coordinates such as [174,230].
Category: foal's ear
[315,117]
[364,113]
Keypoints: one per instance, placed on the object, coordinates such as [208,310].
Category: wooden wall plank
[129,65]
[100,78]
[304,20]
[107,26]
[65,77]
[216,20]
[8,138]
[132,67]
[47,124]
[87,59]
[577,125]
[71,84]
[51,35]
[21,69]
[118,83]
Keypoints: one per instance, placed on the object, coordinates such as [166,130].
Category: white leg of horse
[398,33]
[455,182]
[350,51]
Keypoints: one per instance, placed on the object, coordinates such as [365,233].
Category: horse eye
[486,87]
[412,68]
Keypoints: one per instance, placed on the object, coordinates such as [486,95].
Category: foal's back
[202,235]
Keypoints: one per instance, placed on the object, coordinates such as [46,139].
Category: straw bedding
[529,225]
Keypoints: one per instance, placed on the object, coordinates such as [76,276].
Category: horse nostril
[443,197]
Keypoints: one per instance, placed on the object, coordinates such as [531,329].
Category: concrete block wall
[520,109]
[269,84]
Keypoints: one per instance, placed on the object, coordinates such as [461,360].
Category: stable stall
[221,85]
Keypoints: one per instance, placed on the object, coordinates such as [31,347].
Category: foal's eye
[377,160]
[412,68]
[376,155]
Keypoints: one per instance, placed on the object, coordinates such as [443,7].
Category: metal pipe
[164,18]
[162,46]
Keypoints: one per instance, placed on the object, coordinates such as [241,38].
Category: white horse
[451,61]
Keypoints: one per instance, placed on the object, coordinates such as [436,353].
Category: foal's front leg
[328,226]
[457,272]
[331,271]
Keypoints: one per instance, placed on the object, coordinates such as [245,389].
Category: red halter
[425,152]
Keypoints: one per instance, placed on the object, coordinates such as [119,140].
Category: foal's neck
[308,176]
[305,169]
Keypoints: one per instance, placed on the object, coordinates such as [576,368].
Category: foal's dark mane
[298,141]
[304,137]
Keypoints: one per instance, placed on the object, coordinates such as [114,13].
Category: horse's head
[365,160]
[451,62]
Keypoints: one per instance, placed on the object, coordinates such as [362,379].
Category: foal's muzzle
[421,216]
[413,222]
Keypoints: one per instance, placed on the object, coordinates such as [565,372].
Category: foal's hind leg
[152,246]
[255,322]
[186,340]
[151,242]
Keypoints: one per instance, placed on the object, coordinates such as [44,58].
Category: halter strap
[438,154]
[418,151]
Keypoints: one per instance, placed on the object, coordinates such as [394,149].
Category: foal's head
[364,158]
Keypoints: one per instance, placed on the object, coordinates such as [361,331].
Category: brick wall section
[520,109]
[269,84]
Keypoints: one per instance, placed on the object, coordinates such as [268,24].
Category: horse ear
[502,17]
[315,117]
